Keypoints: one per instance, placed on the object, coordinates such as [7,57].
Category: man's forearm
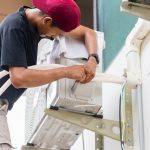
[91,41]
[26,78]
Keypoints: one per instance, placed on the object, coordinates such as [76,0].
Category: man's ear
[47,21]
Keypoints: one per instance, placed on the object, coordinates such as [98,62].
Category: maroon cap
[65,13]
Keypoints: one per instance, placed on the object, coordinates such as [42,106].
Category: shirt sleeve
[13,49]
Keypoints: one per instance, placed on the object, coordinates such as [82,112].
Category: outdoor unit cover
[140,8]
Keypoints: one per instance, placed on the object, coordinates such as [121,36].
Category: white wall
[145,64]
[111,94]
[16,122]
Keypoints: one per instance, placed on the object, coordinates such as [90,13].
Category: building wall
[145,64]
[111,103]
[9,6]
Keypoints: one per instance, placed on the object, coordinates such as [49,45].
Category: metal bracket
[128,114]
[100,126]
[99,142]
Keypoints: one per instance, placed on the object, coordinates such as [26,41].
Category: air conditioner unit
[140,8]
[47,132]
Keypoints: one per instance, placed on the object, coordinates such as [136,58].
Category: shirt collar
[23,14]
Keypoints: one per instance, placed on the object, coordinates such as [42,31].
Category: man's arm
[25,78]
[89,37]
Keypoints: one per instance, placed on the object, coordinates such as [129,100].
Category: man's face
[53,32]
[46,29]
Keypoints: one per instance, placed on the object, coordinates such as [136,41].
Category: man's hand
[90,68]
[76,72]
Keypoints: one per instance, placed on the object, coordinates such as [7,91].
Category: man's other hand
[76,72]
[90,69]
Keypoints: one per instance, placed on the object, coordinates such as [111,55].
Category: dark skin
[24,78]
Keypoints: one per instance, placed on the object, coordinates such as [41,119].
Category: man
[19,36]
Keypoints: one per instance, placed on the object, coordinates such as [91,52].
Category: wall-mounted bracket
[101,127]
[97,125]
[99,142]
[129,119]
